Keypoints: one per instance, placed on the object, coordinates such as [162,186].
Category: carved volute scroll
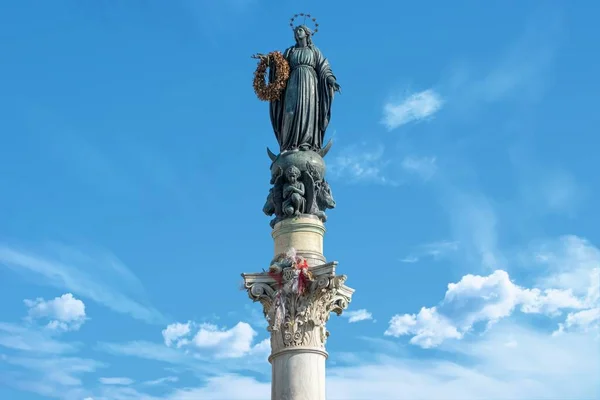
[299,319]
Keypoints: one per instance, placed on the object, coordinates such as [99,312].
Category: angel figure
[293,193]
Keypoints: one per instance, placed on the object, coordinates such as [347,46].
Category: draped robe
[301,115]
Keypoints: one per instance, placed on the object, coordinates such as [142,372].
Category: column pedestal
[297,319]
[305,234]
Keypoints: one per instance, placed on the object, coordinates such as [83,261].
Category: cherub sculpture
[293,193]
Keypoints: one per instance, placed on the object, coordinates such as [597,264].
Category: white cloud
[358,315]
[360,164]
[261,349]
[539,366]
[429,328]
[221,342]
[581,321]
[116,381]
[96,276]
[230,343]
[176,333]
[424,167]
[66,313]
[474,299]
[414,107]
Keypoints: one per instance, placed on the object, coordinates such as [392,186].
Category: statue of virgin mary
[302,113]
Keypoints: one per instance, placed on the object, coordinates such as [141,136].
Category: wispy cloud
[561,193]
[414,107]
[356,164]
[435,250]
[146,350]
[567,263]
[520,73]
[424,167]
[57,377]
[42,364]
[96,277]
[481,374]
[227,386]
[161,381]
[549,191]
[116,381]
[474,223]
[409,259]
[23,338]
[358,315]
[439,249]
[542,367]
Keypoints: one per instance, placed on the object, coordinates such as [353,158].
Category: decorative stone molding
[297,320]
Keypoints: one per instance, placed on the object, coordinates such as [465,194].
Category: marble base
[305,234]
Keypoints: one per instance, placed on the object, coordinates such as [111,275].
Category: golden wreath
[273,90]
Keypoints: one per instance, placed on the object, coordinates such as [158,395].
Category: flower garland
[301,276]
[273,90]
[299,282]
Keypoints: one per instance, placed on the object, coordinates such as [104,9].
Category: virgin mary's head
[301,32]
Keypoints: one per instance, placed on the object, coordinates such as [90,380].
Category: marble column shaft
[298,339]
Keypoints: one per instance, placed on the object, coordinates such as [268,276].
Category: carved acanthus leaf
[299,319]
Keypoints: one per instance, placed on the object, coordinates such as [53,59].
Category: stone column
[305,234]
[298,337]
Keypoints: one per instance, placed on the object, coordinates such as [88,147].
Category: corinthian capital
[298,311]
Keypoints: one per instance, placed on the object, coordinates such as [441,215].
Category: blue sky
[133,172]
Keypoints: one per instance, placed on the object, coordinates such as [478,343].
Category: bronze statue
[301,115]
[300,94]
